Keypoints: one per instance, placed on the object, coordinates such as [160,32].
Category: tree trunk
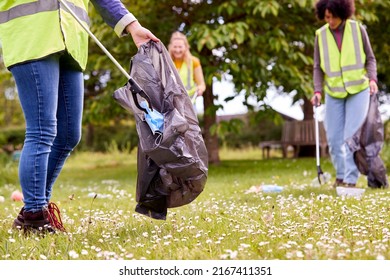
[210,117]
[308,113]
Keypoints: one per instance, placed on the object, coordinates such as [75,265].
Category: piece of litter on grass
[350,192]
[271,188]
[264,188]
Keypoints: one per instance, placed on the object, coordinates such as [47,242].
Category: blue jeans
[51,95]
[343,118]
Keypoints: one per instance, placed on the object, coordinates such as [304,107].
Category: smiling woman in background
[188,66]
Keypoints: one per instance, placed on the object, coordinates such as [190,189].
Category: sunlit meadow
[231,219]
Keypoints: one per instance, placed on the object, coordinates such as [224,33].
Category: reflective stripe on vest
[28,9]
[31,30]
[344,71]
[187,76]
[40,6]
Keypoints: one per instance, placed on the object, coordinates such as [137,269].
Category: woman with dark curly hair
[345,74]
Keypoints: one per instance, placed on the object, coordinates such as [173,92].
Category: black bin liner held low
[172,167]
[367,143]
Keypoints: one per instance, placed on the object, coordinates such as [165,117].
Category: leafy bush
[12,138]
[250,130]
[103,137]
[385,155]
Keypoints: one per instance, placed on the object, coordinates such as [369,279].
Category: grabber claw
[320,174]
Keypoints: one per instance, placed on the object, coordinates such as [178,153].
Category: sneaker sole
[18,224]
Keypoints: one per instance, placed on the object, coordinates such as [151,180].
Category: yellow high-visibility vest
[186,74]
[34,29]
[345,71]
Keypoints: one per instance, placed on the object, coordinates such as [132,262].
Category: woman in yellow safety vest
[188,66]
[345,74]
[46,50]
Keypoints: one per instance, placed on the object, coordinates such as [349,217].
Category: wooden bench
[267,146]
[296,134]
[302,133]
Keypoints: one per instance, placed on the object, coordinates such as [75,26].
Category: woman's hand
[140,34]
[199,80]
[316,99]
[373,87]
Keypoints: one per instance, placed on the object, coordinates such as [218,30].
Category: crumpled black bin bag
[172,168]
[367,143]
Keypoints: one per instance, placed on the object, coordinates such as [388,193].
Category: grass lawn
[227,221]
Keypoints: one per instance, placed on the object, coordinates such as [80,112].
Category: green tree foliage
[259,42]
[376,16]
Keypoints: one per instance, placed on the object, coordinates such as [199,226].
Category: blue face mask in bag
[154,119]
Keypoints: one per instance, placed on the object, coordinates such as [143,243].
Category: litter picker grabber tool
[134,87]
[320,174]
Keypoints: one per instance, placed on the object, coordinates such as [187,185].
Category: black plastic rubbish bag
[172,166]
[367,143]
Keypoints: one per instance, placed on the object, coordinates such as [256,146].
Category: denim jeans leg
[37,84]
[51,94]
[334,126]
[356,109]
[69,121]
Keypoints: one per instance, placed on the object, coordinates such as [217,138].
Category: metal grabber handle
[319,170]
